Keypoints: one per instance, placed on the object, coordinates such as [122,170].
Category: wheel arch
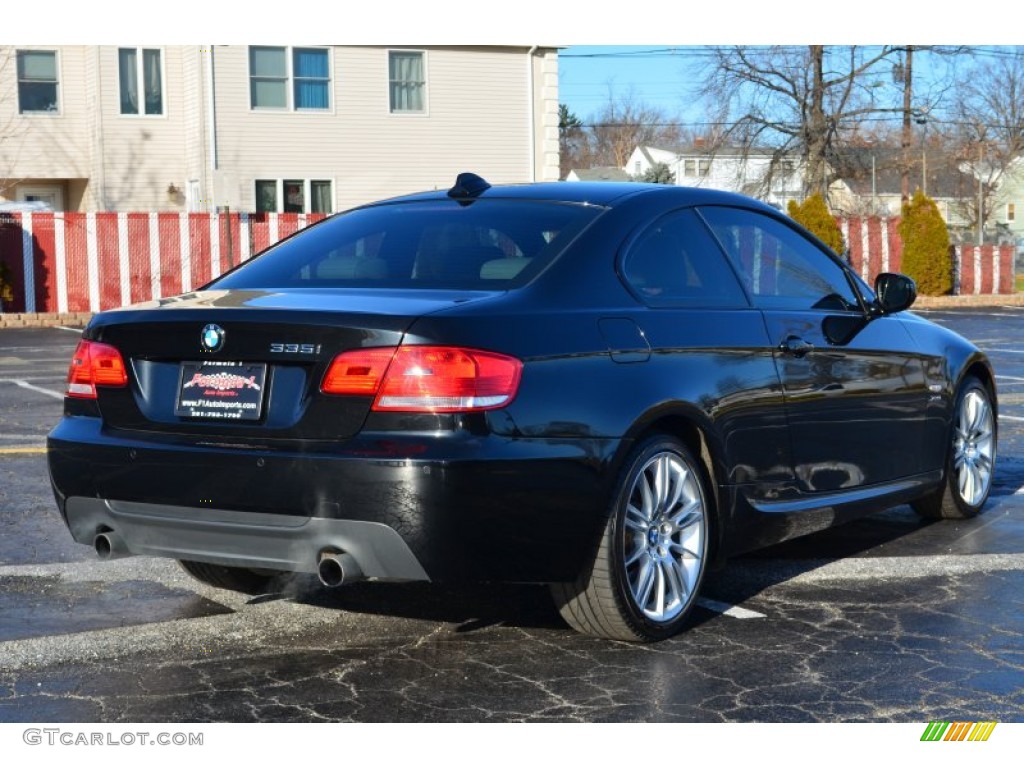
[692,426]
[980,369]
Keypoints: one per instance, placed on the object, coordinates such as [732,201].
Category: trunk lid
[280,343]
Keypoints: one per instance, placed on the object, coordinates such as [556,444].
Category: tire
[650,563]
[245,580]
[970,457]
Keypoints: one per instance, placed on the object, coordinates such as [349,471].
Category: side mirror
[894,292]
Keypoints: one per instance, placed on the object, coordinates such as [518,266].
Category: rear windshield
[485,244]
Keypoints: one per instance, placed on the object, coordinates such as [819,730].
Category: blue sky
[666,77]
[659,76]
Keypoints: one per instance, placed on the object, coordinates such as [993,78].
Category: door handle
[794,345]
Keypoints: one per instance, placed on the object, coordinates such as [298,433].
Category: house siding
[482,124]
[43,145]
[150,152]
[479,117]
[194,64]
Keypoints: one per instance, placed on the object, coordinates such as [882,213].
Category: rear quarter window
[676,263]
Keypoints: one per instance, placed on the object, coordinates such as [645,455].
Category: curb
[44,319]
[978,300]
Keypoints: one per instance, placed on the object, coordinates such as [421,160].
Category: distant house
[1007,202]
[872,182]
[605,173]
[756,172]
[269,128]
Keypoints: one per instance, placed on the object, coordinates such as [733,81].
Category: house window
[140,71]
[320,197]
[37,81]
[407,81]
[1011,211]
[311,69]
[294,199]
[696,167]
[271,69]
[266,196]
[294,196]
[268,77]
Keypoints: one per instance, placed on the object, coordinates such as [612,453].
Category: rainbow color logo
[939,730]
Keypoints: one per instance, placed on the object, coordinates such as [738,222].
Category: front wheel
[650,563]
[970,457]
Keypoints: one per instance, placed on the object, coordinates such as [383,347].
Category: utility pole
[908,92]
[981,196]
[817,129]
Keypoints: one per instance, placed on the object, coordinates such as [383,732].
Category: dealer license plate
[221,390]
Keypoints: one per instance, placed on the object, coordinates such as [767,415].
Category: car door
[854,386]
[707,345]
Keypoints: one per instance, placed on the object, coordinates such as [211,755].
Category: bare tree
[625,123]
[8,113]
[990,129]
[796,99]
[572,140]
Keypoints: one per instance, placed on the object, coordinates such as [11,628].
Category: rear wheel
[650,563]
[246,580]
[970,457]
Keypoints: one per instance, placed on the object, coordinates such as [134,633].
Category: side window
[37,81]
[141,81]
[407,81]
[676,263]
[780,268]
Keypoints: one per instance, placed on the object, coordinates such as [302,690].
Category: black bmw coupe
[601,387]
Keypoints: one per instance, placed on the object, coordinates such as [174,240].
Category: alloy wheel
[665,534]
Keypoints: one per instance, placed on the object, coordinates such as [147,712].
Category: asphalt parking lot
[888,619]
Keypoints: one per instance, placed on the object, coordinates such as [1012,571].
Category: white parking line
[25,385]
[67,328]
[1007,351]
[1010,418]
[729,610]
[1009,378]
[973,314]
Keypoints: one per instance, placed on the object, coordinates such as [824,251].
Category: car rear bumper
[405,506]
[242,539]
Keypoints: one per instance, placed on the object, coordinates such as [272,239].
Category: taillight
[92,365]
[425,379]
[357,372]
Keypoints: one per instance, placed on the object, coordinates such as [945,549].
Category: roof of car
[596,193]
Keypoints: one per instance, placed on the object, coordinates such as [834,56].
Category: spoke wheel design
[664,532]
[650,563]
[970,459]
[974,447]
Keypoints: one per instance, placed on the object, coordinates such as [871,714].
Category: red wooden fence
[87,262]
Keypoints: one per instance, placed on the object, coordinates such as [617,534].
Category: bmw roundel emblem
[212,337]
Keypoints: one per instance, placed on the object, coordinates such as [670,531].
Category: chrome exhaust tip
[338,568]
[109,546]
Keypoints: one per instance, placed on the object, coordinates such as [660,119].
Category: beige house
[269,128]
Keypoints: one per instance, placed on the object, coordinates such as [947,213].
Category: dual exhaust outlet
[333,568]
[338,568]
